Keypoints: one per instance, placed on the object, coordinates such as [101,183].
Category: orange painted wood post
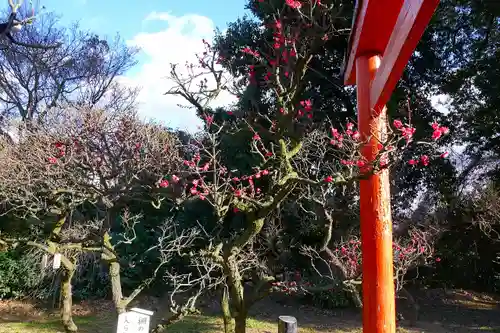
[379,310]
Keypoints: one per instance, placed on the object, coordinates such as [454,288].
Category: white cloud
[178,43]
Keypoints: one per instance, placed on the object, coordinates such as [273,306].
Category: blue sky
[126,16]
[167,31]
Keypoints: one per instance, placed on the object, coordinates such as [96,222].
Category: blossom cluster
[406,251]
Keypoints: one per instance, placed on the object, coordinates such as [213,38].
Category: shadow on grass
[94,324]
[193,324]
[459,310]
[440,313]
[85,324]
[202,324]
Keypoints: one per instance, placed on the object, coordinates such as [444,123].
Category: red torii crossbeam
[383,38]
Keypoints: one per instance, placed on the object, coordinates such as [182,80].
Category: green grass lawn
[86,324]
[194,324]
[99,317]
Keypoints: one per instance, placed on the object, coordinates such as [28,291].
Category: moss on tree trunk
[116,287]
[237,295]
[234,304]
[226,311]
[67,300]
[114,275]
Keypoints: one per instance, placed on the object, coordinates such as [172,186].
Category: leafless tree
[173,242]
[15,24]
[294,155]
[486,203]
[78,158]
[84,155]
[186,284]
[337,257]
[81,72]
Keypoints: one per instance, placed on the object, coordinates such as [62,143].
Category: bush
[470,249]
[20,275]
[326,298]
[331,299]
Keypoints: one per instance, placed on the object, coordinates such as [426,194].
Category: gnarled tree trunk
[413,305]
[237,294]
[114,268]
[67,300]
[108,255]
[116,287]
[241,321]
[226,311]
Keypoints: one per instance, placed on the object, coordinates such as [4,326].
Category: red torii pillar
[384,35]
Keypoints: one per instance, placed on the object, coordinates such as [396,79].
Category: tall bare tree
[16,23]
[81,71]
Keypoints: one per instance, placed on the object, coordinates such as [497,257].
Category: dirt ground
[440,311]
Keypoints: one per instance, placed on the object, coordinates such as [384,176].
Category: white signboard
[45,260]
[134,321]
[57,261]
